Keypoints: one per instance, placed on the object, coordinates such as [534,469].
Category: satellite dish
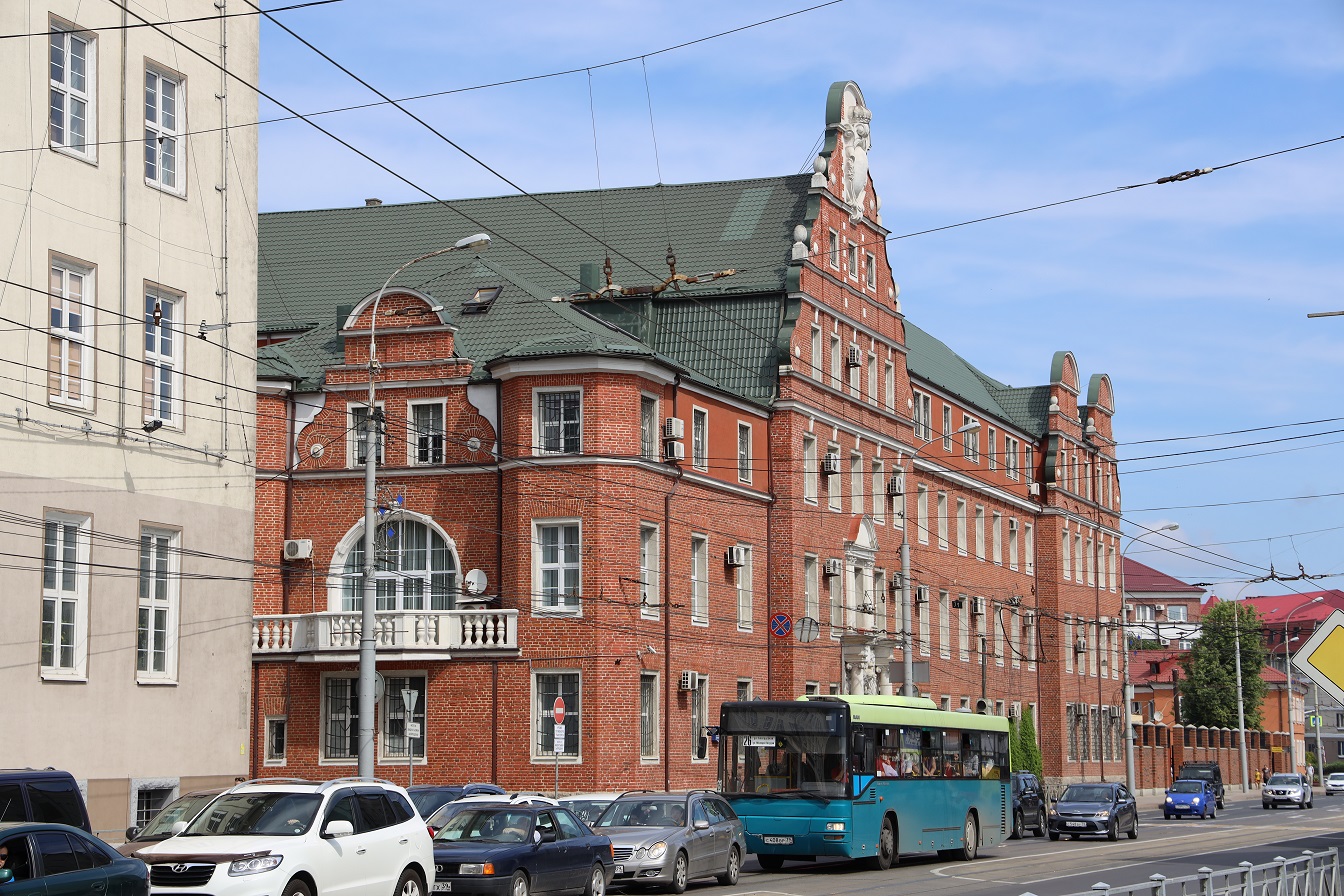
[474,582]
[1157,715]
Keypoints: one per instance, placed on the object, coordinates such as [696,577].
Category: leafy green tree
[1209,688]
[1014,746]
[1029,754]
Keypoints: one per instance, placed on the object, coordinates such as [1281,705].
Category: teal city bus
[864,776]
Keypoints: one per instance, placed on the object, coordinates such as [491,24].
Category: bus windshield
[795,751]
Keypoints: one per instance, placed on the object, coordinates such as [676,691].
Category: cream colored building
[128,187]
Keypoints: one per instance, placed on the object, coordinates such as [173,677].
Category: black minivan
[1204,771]
[43,795]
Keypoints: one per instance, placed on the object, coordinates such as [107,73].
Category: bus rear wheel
[886,847]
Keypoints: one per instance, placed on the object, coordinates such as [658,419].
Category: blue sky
[1193,296]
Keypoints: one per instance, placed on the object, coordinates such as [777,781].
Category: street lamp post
[368,637]
[1127,688]
[907,654]
[1288,669]
[1241,701]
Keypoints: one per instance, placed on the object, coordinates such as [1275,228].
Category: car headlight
[476,868]
[1053,813]
[254,865]
[835,825]
[1195,800]
[1169,799]
[1104,815]
[658,850]
[640,853]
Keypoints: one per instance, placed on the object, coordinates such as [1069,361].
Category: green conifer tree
[1031,753]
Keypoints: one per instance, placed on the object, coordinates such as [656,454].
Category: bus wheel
[770,862]
[971,847]
[886,847]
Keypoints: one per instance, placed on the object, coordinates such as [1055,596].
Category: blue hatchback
[1190,797]
[520,850]
[56,858]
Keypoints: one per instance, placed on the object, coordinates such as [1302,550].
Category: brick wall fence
[1159,751]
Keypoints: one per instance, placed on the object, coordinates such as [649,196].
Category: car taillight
[433,831]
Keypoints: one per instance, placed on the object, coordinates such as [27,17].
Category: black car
[429,797]
[41,858]
[1028,805]
[519,850]
[1204,771]
[46,795]
[1094,809]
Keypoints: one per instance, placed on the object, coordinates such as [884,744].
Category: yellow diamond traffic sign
[1321,658]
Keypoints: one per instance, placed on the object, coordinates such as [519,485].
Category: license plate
[620,869]
[1076,824]
[445,886]
[776,840]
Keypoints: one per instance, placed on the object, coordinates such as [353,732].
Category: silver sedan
[670,839]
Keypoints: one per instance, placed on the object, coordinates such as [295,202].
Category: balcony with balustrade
[420,634]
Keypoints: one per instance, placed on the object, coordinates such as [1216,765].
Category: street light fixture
[907,654]
[1127,688]
[1288,668]
[368,638]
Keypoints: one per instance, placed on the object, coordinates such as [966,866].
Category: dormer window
[481,300]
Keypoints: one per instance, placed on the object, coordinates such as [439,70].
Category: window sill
[167,191]
[156,682]
[700,623]
[86,158]
[275,763]
[62,675]
[549,759]
[557,612]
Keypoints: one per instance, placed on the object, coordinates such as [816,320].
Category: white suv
[283,837]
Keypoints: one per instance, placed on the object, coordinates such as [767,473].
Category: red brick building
[647,469]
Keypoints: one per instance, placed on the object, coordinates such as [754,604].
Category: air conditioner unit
[977,606]
[1115,712]
[735,556]
[298,549]
[673,450]
[1034,489]
[688,681]
[1080,646]
[834,567]
[895,487]
[855,357]
[1015,711]
[674,428]
[1159,608]
[830,463]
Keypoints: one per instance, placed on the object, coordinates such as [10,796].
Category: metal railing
[449,630]
[1310,874]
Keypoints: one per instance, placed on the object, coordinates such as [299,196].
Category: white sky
[1192,296]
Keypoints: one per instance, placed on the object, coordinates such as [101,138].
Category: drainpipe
[122,224]
[291,458]
[499,573]
[667,610]
[769,563]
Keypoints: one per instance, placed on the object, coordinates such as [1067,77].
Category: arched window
[417,570]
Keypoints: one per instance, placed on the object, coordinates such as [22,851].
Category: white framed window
[358,433]
[417,570]
[744,452]
[425,439]
[746,598]
[942,521]
[1029,622]
[150,797]
[811,587]
[70,335]
[65,596]
[889,385]
[557,566]
[979,532]
[834,490]
[1066,557]
[925,611]
[1176,613]
[72,104]
[1088,566]
[1144,613]
[648,715]
[1110,567]
[856,483]
[970,440]
[1028,462]
[810,471]
[648,428]
[165,104]
[996,537]
[922,513]
[547,686]
[700,438]
[855,372]
[1028,549]
[1010,467]
[699,580]
[992,448]
[1016,642]
[648,571]
[340,718]
[834,247]
[870,270]
[836,362]
[394,742]
[1078,557]
[879,491]
[1069,644]
[834,595]
[277,731]
[1000,637]
[947,427]
[163,357]
[559,420]
[700,719]
[852,261]
[944,624]
[159,600]
[1012,543]
[964,628]
[961,526]
[872,378]
[816,366]
[923,417]
[744,689]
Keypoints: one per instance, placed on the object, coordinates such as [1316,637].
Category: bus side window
[971,754]
[931,755]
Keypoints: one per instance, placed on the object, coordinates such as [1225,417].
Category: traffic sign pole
[558,714]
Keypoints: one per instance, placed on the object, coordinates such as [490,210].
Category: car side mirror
[545,836]
[6,875]
[131,832]
[178,827]
[701,824]
[338,828]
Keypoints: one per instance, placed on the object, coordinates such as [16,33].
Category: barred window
[559,419]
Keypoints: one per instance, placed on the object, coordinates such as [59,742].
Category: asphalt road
[1241,832]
